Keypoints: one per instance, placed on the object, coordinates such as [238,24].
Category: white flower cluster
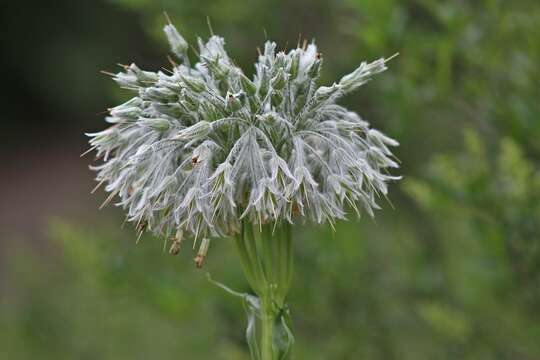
[200,148]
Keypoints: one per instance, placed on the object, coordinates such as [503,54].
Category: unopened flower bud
[194,84]
[126,112]
[276,98]
[178,44]
[247,85]
[315,68]
[264,83]
[362,74]
[211,113]
[172,110]
[144,76]
[127,80]
[162,94]
[325,92]
[281,60]
[295,63]
[189,104]
[278,81]
[233,103]
[156,124]
[196,131]
[217,68]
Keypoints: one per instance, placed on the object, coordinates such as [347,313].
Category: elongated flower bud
[143,76]
[278,82]
[325,92]
[295,62]
[156,124]
[247,85]
[362,74]
[193,83]
[315,68]
[172,110]
[126,112]
[197,131]
[218,69]
[264,83]
[179,46]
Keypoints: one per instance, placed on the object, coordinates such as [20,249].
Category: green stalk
[267,333]
[254,253]
[245,261]
[266,257]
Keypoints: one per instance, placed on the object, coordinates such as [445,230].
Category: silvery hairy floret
[201,148]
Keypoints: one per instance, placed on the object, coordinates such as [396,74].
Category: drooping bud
[201,255]
[381,141]
[176,242]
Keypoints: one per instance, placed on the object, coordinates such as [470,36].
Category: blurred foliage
[51,60]
[103,298]
[453,272]
[494,194]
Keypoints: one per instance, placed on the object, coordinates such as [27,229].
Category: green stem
[245,261]
[267,324]
[266,257]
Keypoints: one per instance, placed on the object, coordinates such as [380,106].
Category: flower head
[198,149]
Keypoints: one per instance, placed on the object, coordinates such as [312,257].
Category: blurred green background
[452,272]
